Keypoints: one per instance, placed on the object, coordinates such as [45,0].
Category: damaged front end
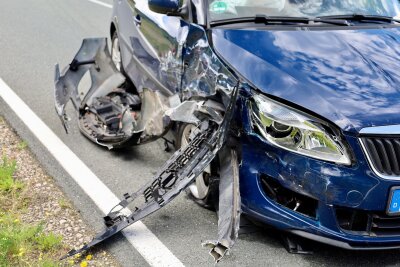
[114,115]
[177,174]
[110,114]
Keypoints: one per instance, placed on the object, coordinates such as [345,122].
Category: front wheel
[116,52]
[204,190]
[116,58]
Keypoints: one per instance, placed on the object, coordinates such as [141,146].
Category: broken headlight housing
[295,131]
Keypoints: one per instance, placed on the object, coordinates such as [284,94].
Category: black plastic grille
[383,154]
[368,223]
[383,225]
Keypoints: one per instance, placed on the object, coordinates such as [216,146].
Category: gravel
[48,204]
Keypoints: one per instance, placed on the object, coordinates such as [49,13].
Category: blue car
[312,88]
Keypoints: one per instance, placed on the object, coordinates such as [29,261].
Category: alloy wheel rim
[116,54]
[200,187]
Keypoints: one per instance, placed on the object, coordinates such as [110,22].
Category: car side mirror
[167,7]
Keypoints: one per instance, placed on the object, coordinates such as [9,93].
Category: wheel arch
[112,29]
[113,26]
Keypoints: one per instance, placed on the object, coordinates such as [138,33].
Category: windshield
[230,9]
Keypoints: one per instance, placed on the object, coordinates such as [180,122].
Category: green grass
[48,242]
[22,244]
[7,182]
[64,204]
[22,145]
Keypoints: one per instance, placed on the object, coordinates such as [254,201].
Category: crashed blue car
[301,99]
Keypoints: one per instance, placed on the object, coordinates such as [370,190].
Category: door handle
[138,20]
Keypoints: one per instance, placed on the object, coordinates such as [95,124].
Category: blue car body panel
[355,187]
[151,46]
[348,76]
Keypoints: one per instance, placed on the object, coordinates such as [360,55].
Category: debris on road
[114,114]
[229,210]
[39,206]
[176,175]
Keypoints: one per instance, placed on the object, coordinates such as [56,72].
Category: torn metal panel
[187,111]
[204,74]
[153,121]
[93,56]
[108,120]
[113,116]
[109,115]
[177,174]
[229,205]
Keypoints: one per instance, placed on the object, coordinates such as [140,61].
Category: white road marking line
[100,3]
[141,238]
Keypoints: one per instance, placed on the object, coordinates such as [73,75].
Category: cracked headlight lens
[295,131]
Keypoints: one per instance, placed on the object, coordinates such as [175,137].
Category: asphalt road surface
[34,35]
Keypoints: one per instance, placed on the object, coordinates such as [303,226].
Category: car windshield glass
[231,9]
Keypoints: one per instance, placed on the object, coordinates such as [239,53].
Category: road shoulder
[47,205]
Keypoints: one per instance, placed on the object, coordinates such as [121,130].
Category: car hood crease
[348,76]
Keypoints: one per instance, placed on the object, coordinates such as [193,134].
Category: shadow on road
[325,255]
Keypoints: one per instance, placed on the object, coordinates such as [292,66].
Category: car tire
[116,53]
[117,60]
[204,191]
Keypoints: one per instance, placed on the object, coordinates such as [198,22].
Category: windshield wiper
[279,20]
[362,18]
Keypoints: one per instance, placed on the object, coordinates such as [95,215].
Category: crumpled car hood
[351,76]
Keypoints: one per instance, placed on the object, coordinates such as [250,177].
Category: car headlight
[297,132]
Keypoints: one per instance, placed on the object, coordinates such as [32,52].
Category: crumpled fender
[93,56]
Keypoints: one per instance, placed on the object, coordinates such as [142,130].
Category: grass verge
[22,244]
[38,224]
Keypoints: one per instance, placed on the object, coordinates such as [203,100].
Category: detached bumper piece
[93,56]
[229,205]
[108,113]
[177,174]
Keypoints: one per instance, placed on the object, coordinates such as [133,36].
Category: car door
[155,42]
[125,20]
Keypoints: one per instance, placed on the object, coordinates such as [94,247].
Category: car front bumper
[344,206]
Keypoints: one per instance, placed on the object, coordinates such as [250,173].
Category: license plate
[394,202]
